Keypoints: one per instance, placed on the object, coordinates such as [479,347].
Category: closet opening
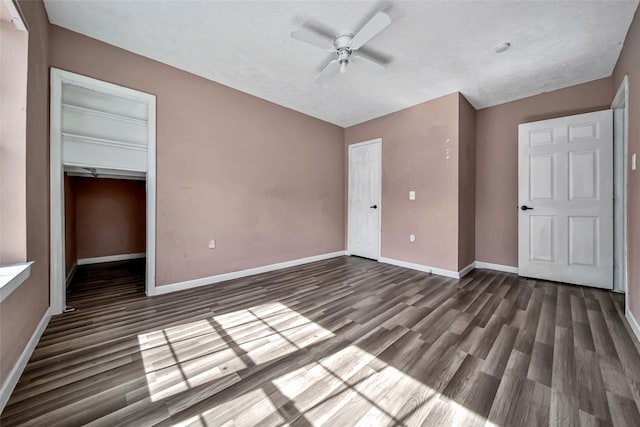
[105,234]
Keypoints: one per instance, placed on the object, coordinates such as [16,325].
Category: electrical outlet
[634,164]
[412,238]
[212,244]
[412,195]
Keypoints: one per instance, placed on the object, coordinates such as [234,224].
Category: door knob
[526,208]
[374,207]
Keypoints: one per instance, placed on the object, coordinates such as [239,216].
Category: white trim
[356,145]
[102,86]
[57,249]
[420,267]
[150,284]
[57,293]
[497,267]
[188,284]
[13,377]
[368,142]
[635,327]
[449,273]
[406,264]
[71,273]
[468,269]
[16,18]
[12,276]
[621,100]
[110,258]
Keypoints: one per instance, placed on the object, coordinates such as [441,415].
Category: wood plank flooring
[345,341]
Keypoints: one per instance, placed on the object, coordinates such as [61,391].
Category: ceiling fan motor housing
[343,41]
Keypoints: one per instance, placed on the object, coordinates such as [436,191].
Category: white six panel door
[565,181]
[364,199]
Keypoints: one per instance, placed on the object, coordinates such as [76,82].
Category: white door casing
[565,178]
[620,165]
[77,126]
[365,172]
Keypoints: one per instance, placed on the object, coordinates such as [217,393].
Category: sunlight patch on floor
[178,358]
[351,378]
[284,330]
[184,356]
[348,386]
[253,405]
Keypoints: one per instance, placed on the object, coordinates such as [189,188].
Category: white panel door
[364,199]
[565,192]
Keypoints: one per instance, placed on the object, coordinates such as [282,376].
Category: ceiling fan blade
[313,39]
[328,71]
[372,66]
[379,22]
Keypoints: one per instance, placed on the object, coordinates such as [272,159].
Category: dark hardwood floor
[339,342]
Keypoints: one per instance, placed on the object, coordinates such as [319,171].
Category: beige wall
[466,184]
[13,86]
[264,181]
[71,252]
[268,182]
[110,217]
[629,64]
[23,309]
[497,161]
[419,152]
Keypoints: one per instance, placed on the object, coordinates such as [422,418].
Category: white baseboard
[11,381]
[110,258]
[635,327]
[421,267]
[497,267]
[450,273]
[71,273]
[468,269]
[405,264]
[203,281]
[188,284]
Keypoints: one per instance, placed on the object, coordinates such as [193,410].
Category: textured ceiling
[432,48]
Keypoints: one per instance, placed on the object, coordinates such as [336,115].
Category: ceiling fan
[344,46]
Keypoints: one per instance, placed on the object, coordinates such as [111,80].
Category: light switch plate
[412,238]
[412,195]
[212,244]
[634,164]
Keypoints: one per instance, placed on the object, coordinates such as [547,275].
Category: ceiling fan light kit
[343,51]
[344,45]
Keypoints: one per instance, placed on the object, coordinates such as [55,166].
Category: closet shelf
[114,116]
[102,141]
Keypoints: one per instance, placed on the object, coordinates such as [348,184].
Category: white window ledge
[12,276]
